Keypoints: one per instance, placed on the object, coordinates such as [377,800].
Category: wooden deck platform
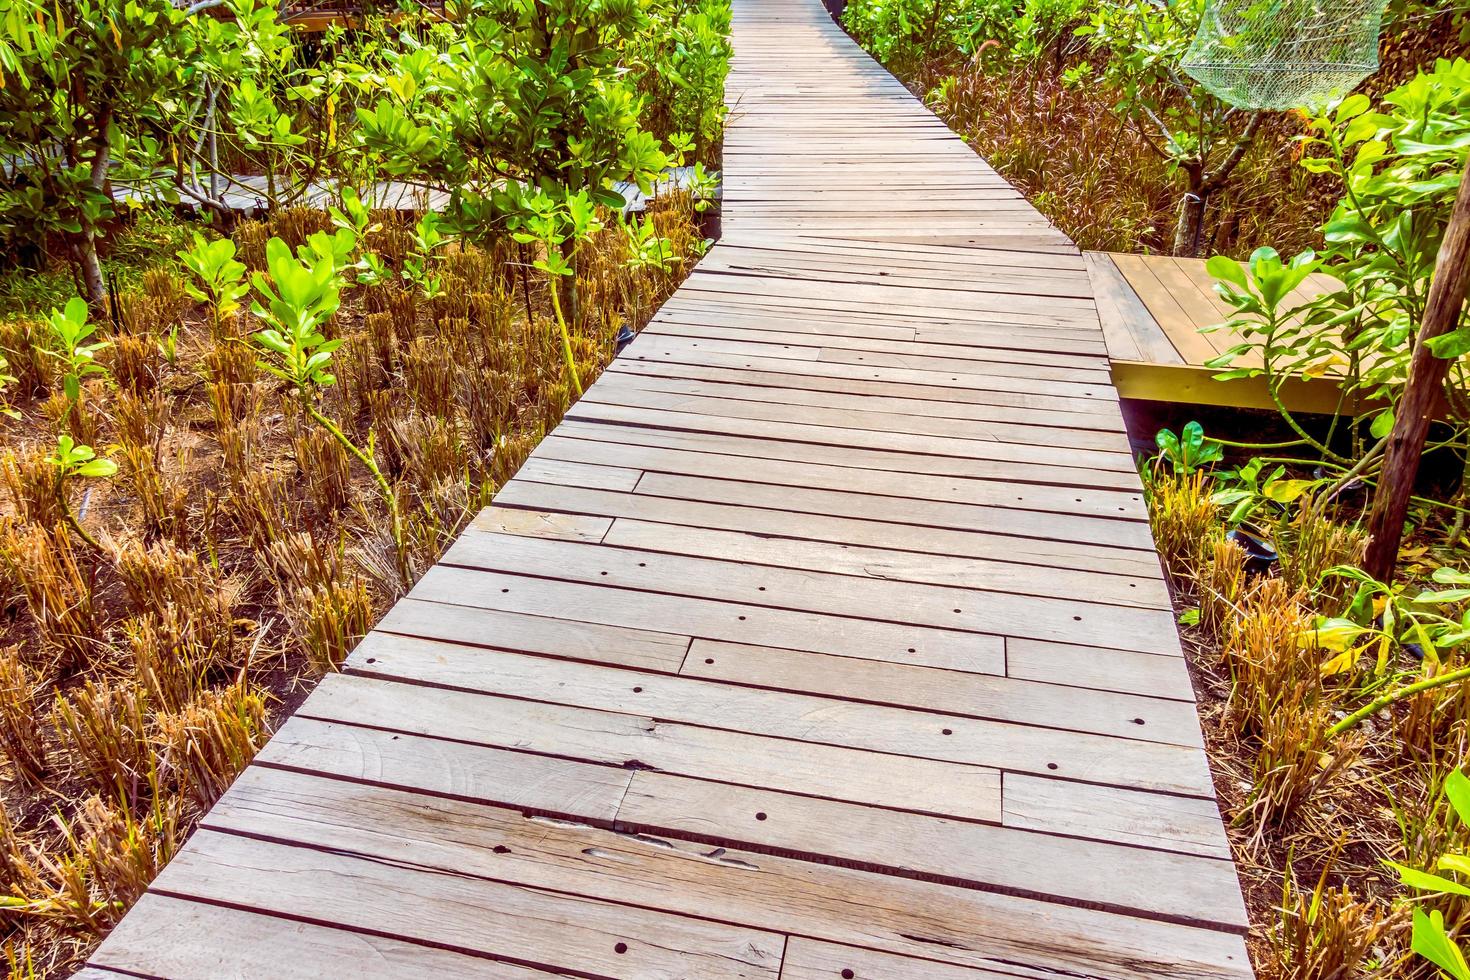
[825,638]
[1152,309]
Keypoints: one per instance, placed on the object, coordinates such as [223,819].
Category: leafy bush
[1014,30]
[1399,170]
[88,84]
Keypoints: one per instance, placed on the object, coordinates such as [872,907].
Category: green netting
[1284,54]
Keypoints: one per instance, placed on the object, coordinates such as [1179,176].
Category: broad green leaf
[1424,881]
[1431,941]
[1457,788]
[97,468]
[1226,269]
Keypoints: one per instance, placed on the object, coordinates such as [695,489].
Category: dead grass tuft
[20,735]
[58,591]
[1325,934]
[212,739]
[1182,518]
[103,728]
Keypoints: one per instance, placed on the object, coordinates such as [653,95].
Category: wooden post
[1421,394]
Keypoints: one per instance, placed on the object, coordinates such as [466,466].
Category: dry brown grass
[1087,170]
[20,736]
[111,854]
[1324,934]
[1301,805]
[1183,521]
[242,552]
[104,729]
[58,586]
[208,743]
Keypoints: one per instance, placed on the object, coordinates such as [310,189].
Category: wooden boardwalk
[825,638]
[1154,309]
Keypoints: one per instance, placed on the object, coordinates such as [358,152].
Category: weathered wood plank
[811,524]
[760,891]
[1096,874]
[902,731]
[886,564]
[716,619]
[809,959]
[549,634]
[533,928]
[609,450]
[1076,619]
[184,940]
[852,678]
[487,758]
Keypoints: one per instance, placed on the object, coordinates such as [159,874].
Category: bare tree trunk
[84,243]
[1203,183]
[1416,408]
[571,293]
[89,268]
[1191,224]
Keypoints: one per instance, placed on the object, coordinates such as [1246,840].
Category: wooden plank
[1177,325]
[1144,335]
[973,304]
[1082,530]
[810,959]
[797,390]
[528,633]
[654,348]
[731,402]
[987,614]
[887,564]
[988,348]
[544,524]
[326,736]
[1103,669]
[1059,467]
[1107,286]
[1022,748]
[1058,376]
[533,928]
[162,937]
[734,443]
[1197,308]
[1172,823]
[1095,874]
[972,695]
[476,746]
[609,450]
[810,525]
[761,891]
[716,619]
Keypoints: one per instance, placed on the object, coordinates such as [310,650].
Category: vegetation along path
[824,638]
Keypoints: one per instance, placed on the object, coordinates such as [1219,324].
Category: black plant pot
[1260,553]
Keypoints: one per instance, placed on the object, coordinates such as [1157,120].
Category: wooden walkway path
[824,638]
[1153,310]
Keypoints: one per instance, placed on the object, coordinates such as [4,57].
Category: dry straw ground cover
[240,550]
[228,445]
[1279,660]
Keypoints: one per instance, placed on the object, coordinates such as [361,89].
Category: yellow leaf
[1344,661]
